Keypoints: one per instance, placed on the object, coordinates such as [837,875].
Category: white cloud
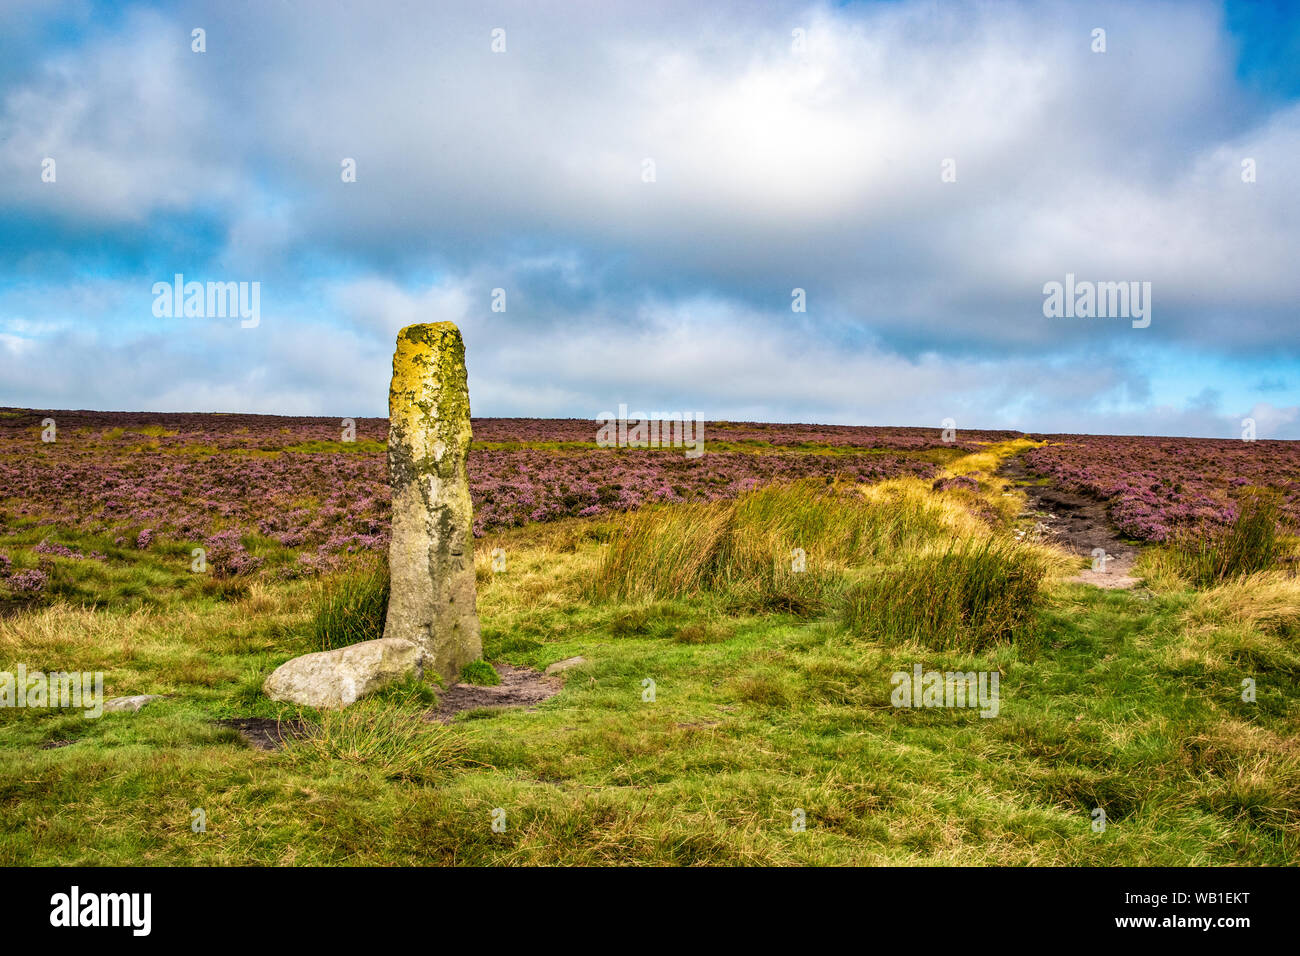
[134,124]
[775,169]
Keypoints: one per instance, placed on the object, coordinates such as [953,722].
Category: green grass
[1129,700]
[1251,543]
[384,736]
[352,608]
[362,446]
[970,595]
[480,672]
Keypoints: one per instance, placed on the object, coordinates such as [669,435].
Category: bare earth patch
[1078,524]
[263,733]
[519,687]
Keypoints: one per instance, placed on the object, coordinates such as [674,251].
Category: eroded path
[519,687]
[1078,524]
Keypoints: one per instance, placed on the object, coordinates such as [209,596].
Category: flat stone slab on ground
[564,665]
[128,705]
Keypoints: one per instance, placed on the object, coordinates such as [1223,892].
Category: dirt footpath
[1076,523]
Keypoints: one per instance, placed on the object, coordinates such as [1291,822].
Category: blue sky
[782,161]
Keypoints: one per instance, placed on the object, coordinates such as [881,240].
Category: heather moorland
[714,688]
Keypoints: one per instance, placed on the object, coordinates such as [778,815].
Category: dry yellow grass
[1248,626]
[957,512]
[543,569]
[194,644]
[1268,601]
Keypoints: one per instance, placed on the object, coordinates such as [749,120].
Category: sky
[647,185]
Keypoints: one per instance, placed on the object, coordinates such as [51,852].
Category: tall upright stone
[431,555]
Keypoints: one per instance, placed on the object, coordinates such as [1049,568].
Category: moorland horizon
[713,421]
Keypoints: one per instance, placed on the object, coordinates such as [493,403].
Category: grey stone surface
[122,705]
[564,665]
[334,679]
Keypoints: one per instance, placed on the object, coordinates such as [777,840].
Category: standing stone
[431,555]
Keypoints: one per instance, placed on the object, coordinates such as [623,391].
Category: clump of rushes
[351,608]
[480,672]
[969,596]
[1251,543]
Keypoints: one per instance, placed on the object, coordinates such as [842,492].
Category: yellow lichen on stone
[431,552]
[421,404]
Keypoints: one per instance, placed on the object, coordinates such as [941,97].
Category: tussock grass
[64,631]
[351,608]
[386,735]
[1250,623]
[1267,601]
[905,563]
[912,516]
[746,547]
[1251,543]
[1160,570]
[480,672]
[969,596]
[700,633]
